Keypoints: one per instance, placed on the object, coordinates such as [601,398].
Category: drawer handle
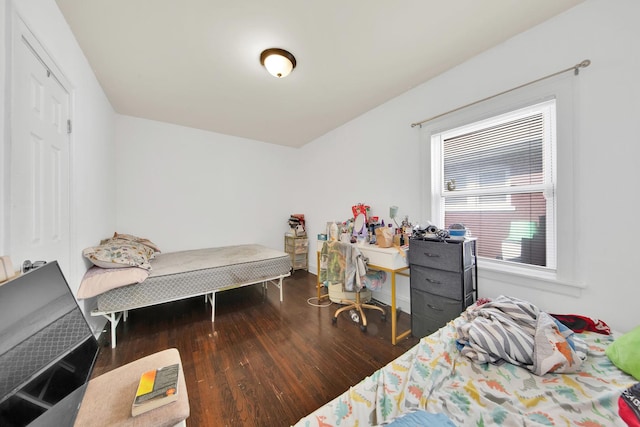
[435,282]
[434,308]
[432,255]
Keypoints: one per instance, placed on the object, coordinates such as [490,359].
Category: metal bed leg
[114,319]
[212,299]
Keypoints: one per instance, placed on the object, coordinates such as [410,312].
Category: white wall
[185,188]
[92,141]
[375,157]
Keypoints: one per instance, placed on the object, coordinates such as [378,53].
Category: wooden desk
[391,260]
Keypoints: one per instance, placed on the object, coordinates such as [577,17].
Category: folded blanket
[515,331]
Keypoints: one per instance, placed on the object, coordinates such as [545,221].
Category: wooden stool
[108,399]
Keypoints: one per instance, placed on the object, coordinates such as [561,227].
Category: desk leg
[394,318]
[393,308]
[318,275]
[318,284]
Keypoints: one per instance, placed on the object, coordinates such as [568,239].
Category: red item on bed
[629,406]
[578,323]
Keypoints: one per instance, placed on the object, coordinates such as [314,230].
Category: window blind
[497,182]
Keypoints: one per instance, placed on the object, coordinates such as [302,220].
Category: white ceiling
[196,62]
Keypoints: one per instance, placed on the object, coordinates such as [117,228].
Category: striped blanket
[511,330]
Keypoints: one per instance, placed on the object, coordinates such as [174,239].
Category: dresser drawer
[443,283]
[434,306]
[423,325]
[440,255]
[430,312]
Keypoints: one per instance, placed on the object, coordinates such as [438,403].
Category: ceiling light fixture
[278,62]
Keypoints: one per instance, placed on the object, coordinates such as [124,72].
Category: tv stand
[108,398]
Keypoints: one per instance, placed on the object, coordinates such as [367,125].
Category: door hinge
[68,126]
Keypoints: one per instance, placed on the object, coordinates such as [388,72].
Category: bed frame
[180,275]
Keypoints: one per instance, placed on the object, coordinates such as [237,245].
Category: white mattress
[178,275]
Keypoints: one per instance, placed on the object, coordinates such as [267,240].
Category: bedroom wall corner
[186,188]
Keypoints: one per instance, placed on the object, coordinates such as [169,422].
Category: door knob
[28,265]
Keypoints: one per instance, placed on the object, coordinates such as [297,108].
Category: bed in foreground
[178,275]
[435,378]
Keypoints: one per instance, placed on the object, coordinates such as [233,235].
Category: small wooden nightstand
[298,250]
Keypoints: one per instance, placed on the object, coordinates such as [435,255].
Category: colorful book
[156,388]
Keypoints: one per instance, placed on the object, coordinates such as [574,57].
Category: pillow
[119,254]
[98,280]
[624,352]
[142,248]
[132,238]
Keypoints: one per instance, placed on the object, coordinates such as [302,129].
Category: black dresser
[444,281]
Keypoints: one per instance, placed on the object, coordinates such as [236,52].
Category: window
[497,176]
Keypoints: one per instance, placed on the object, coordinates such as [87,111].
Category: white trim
[563,280]
[528,277]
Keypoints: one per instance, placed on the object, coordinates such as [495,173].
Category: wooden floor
[262,362]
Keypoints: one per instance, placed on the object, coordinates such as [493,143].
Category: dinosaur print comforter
[434,376]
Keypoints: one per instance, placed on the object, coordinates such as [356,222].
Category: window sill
[539,278]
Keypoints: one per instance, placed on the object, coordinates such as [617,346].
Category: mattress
[178,275]
[434,377]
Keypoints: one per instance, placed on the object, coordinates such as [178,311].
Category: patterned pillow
[132,238]
[118,254]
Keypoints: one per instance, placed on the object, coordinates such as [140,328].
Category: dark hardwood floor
[262,362]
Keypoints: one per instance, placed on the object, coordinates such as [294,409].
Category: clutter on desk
[457,231]
[430,231]
[366,229]
[297,225]
[384,237]
[361,209]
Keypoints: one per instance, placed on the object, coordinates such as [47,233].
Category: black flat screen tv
[47,350]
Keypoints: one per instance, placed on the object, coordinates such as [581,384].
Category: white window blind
[497,178]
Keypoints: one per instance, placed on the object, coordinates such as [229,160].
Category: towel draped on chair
[341,262]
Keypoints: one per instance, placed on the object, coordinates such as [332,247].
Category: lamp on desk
[393,213]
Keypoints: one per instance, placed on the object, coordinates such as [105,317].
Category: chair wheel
[334,320]
[363,328]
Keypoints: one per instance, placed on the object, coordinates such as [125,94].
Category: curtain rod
[575,68]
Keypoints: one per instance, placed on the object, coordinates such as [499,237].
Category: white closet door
[39,216]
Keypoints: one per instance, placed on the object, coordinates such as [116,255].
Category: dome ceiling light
[278,62]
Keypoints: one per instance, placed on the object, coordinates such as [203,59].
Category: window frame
[564,277]
[548,186]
